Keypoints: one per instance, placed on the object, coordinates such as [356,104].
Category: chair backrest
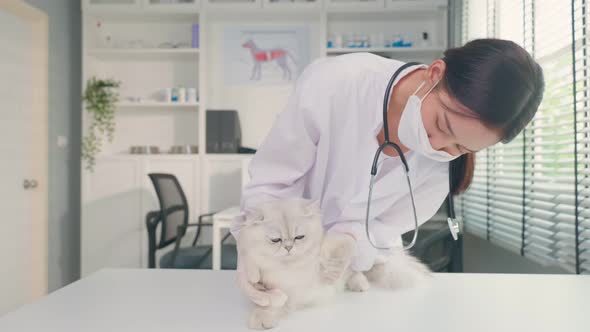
[174,210]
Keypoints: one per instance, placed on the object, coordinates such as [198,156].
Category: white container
[338,41]
[167,95]
[181,95]
[192,95]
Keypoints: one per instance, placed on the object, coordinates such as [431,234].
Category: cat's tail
[399,270]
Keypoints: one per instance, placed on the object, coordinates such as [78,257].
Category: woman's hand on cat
[249,282]
[336,255]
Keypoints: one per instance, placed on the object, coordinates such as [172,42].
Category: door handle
[30,184]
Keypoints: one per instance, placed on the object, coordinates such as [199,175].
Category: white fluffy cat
[287,255]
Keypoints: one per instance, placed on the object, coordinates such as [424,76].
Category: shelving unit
[392,51]
[146,45]
[156,104]
[144,54]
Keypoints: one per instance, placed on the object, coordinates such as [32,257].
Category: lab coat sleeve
[289,150]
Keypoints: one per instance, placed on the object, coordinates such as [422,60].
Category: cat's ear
[312,207]
[253,215]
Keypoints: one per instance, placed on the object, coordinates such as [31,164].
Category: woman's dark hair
[501,83]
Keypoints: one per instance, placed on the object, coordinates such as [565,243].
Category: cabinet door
[415,4]
[172,6]
[111,5]
[291,4]
[186,171]
[354,4]
[233,4]
[111,228]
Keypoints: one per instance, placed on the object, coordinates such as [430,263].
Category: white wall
[64,120]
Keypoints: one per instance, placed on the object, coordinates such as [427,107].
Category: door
[23,147]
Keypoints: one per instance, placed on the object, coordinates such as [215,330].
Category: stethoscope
[452,222]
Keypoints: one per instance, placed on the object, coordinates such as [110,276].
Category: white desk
[221,220]
[200,300]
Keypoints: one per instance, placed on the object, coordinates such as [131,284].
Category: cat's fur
[303,266]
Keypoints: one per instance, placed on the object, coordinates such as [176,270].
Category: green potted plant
[100,96]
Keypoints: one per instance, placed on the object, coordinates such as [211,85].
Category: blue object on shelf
[330,45]
[195,35]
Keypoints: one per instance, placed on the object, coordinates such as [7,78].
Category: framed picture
[264,55]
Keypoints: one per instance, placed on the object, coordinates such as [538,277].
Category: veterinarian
[322,146]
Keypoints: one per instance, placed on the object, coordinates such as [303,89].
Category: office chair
[173,221]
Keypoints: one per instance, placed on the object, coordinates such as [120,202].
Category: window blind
[581,79]
[532,196]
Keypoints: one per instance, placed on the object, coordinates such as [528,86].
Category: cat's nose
[289,248]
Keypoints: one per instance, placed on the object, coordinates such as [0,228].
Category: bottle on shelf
[425,40]
[338,41]
[167,95]
[182,94]
[191,95]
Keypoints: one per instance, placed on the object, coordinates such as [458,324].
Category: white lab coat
[322,146]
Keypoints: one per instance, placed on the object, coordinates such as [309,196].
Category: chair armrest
[152,219]
[206,215]
[199,225]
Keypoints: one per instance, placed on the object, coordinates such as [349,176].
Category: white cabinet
[172,6]
[415,4]
[233,4]
[116,199]
[354,4]
[111,5]
[291,4]
[112,229]
[136,6]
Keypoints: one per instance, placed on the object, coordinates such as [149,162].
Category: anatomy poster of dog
[264,55]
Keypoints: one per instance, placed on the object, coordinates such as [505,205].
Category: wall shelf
[159,105]
[145,54]
[392,50]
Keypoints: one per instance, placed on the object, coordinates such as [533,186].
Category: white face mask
[411,131]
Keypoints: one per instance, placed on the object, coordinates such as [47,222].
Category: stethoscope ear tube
[453,224]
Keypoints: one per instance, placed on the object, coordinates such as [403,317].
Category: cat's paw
[263,319]
[278,298]
[357,282]
[400,270]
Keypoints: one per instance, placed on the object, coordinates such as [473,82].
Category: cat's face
[286,229]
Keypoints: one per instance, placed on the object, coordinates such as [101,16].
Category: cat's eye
[300,237]
[275,240]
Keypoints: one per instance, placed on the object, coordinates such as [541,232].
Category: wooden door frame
[39,127]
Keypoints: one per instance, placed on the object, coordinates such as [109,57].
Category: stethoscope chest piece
[454,228]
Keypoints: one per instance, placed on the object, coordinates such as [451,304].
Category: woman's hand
[336,254]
